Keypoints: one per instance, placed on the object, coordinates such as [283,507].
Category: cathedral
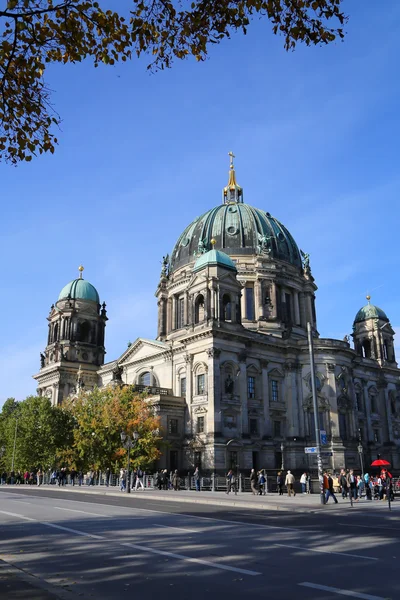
[229,372]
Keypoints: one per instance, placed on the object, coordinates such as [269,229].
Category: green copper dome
[239,229]
[214,257]
[370,312]
[79,289]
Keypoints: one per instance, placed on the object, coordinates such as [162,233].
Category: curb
[195,500]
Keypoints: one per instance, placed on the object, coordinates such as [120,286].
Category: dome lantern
[232,192]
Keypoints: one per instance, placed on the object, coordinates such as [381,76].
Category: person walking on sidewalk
[139,479]
[303,481]
[231,482]
[279,483]
[289,482]
[253,482]
[176,481]
[197,479]
[343,484]
[328,487]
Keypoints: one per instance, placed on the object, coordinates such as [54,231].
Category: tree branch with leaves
[36,33]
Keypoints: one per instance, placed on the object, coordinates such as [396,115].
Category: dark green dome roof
[214,257]
[238,229]
[79,289]
[369,311]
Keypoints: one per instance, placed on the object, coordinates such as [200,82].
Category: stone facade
[229,372]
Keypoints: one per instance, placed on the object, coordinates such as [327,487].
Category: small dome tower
[75,341]
[373,334]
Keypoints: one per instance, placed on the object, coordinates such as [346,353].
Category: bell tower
[75,341]
[373,335]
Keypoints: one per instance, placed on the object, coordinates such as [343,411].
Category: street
[84,545]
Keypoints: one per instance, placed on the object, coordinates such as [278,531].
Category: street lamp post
[360,452]
[15,444]
[315,407]
[282,459]
[129,442]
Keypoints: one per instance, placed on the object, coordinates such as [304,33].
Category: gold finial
[81,268]
[213,241]
[232,186]
[368,298]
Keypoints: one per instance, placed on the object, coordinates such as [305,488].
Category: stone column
[383,400]
[189,392]
[214,390]
[273,299]
[367,403]
[174,323]
[296,307]
[186,309]
[267,429]
[169,315]
[243,301]
[243,396]
[260,299]
[330,385]
[212,303]
[292,421]
[302,306]
[389,415]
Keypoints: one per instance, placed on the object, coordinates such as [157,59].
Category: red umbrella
[380,463]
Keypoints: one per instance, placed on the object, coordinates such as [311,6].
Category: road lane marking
[79,511]
[138,547]
[69,530]
[180,528]
[10,514]
[326,588]
[370,526]
[326,552]
[198,561]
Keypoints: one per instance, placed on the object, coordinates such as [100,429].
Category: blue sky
[315,133]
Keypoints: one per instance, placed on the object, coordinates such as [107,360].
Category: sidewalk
[304,503]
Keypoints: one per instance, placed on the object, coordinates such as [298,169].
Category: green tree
[36,33]
[99,417]
[39,430]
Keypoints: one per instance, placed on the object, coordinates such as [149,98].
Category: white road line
[326,588]
[326,552]
[198,561]
[79,511]
[370,526]
[180,528]
[76,531]
[10,514]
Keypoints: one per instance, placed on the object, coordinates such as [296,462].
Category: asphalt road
[68,545]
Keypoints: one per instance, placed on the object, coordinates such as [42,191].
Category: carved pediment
[142,348]
[276,373]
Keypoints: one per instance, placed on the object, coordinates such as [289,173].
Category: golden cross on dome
[231,156]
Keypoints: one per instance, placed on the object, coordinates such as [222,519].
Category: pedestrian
[261,483]
[343,483]
[4,478]
[165,481]
[352,484]
[107,477]
[197,479]
[176,481]
[122,480]
[328,487]
[289,482]
[360,486]
[253,482]
[303,481]
[309,490]
[231,482]
[26,477]
[368,486]
[39,477]
[73,476]
[139,479]
[279,483]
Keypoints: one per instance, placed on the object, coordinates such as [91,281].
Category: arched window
[226,308]
[199,309]
[84,331]
[366,349]
[145,378]
[55,332]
